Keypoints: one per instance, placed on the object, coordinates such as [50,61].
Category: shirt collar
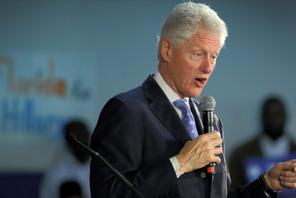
[276,148]
[169,92]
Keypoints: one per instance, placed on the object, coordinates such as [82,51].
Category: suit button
[203,174]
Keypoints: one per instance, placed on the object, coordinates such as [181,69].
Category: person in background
[70,189]
[272,142]
[73,167]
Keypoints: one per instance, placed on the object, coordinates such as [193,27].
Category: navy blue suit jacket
[138,131]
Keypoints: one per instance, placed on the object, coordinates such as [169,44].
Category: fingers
[214,138]
[214,155]
[200,152]
[217,160]
[217,150]
[214,135]
[293,161]
[211,145]
[284,174]
[288,179]
[288,174]
[288,183]
[211,135]
[289,165]
[214,158]
[286,166]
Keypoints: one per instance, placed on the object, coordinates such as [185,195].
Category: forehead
[205,40]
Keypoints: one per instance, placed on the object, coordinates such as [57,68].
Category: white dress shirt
[274,149]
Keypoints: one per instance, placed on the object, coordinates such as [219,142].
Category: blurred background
[63,59]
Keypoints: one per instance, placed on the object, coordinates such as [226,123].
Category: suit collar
[163,109]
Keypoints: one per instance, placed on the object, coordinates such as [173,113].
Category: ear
[165,50]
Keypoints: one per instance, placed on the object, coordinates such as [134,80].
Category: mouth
[200,82]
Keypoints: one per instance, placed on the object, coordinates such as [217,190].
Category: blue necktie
[187,117]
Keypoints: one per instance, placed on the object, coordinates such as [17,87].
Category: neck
[163,70]
[274,135]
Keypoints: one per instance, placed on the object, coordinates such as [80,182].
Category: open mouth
[200,81]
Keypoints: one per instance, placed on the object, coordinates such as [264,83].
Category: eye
[214,57]
[197,53]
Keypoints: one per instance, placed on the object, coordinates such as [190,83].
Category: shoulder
[132,96]
[247,148]
[131,100]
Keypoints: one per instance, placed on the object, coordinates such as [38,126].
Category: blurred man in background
[272,142]
[74,167]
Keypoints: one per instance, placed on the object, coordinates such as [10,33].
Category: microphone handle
[208,122]
[97,155]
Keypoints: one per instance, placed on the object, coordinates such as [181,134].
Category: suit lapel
[197,118]
[163,109]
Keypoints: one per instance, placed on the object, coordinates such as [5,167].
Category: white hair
[188,18]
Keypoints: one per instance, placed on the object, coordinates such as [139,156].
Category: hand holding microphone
[206,148]
[200,152]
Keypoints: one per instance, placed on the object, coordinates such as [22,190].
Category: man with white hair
[153,133]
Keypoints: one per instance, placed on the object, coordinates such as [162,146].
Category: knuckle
[218,134]
[208,148]
[214,134]
[220,150]
[213,158]
[218,160]
[209,157]
[202,137]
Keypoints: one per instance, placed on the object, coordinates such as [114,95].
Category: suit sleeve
[118,136]
[253,189]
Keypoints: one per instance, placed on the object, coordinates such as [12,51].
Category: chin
[196,92]
[193,94]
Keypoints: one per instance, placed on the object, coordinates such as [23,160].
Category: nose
[208,65]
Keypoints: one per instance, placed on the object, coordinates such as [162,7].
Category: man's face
[191,63]
[274,119]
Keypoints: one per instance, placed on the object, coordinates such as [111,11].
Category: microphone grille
[207,103]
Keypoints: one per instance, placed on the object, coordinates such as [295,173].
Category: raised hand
[282,175]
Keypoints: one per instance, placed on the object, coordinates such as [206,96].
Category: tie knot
[181,105]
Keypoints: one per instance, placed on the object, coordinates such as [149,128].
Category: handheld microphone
[96,155]
[207,105]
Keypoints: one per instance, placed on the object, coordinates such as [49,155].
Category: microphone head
[207,103]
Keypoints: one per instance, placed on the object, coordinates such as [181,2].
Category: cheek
[184,69]
[189,69]
[185,72]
